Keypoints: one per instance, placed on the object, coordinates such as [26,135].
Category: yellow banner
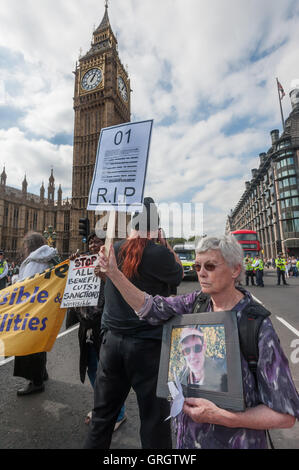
[30,313]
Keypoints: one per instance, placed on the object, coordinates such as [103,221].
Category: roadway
[55,419]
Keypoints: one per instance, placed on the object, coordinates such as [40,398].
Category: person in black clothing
[89,333]
[90,324]
[130,350]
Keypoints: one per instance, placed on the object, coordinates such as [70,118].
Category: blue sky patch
[10,117]
[62,139]
[168,120]
[205,109]
[9,58]
[237,125]
[260,53]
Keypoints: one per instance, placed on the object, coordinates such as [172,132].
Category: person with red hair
[130,351]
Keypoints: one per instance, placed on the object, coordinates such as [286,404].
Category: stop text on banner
[82,287]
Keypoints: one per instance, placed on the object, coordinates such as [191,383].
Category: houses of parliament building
[101,99]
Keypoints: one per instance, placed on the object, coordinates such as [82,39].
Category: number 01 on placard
[121,165]
[118,139]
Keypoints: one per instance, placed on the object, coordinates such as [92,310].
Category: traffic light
[84,229]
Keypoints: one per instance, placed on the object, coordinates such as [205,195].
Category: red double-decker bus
[249,241]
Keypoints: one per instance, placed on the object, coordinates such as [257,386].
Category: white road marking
[69,330]
[285,323]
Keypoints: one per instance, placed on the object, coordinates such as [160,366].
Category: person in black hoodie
[130,350]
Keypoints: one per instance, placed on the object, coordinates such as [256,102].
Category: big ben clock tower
[101,99]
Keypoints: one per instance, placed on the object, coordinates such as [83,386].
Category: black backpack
[249,325]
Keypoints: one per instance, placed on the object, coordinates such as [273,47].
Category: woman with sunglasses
[272,402]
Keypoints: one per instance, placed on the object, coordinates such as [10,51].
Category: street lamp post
[50,235]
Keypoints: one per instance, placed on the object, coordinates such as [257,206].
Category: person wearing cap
[280,264]
[270,395]
[249,270]
[130,349]
[205,372]
[3,271]
[258,265]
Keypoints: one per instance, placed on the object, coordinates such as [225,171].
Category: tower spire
[3,177]
[105,23]
[51,188]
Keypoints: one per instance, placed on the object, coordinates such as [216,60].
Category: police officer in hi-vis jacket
[259,270]
[280,264]
[249,270]
[3,271]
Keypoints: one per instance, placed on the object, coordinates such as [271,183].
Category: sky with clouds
[204,71]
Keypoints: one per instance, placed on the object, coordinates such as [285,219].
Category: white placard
[82,287]
[120,170]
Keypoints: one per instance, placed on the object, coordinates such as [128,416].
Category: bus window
[245,236]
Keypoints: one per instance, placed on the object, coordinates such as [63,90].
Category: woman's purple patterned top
[275,384]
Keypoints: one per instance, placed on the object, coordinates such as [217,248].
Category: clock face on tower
[122,88]
[91,79]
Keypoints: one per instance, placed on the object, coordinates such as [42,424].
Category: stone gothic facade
[101,99]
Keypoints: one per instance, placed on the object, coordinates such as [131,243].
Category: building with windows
[101,99]
[270,202]
[21,212]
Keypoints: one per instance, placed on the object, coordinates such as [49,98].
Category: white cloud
[204,71]
[39,157]
[54,116]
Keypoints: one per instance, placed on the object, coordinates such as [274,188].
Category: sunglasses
[208,266]
[197,348]
[96,242]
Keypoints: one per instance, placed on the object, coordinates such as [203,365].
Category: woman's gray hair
[229,248]
[32,241]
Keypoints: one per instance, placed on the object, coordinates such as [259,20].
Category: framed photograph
[202,352]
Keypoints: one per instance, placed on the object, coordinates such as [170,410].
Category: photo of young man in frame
[198,357]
